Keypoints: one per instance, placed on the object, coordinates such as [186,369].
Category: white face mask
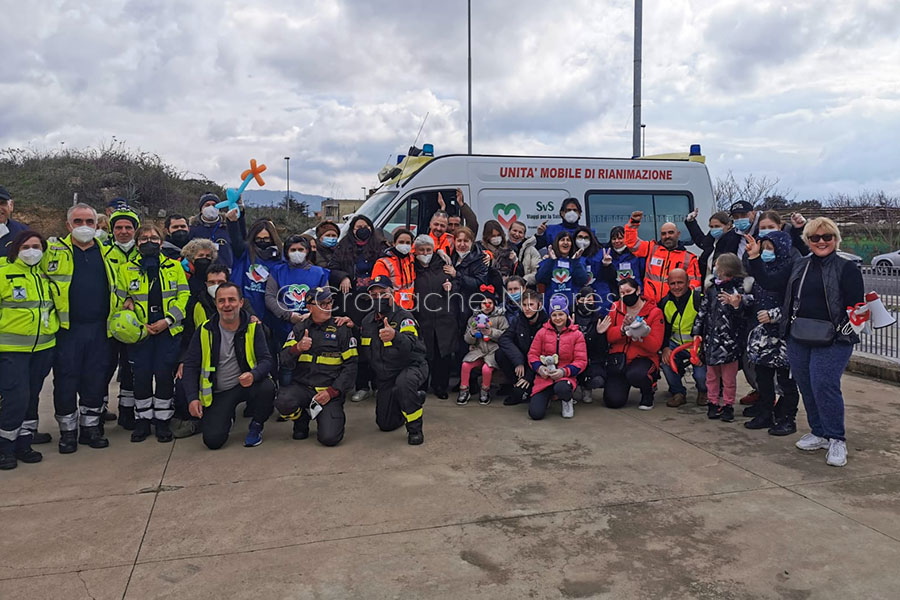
[3,229]
[297,257]
[496,240]
[210,213]
[211,289]
[583,244]
[31,256]
[462,255]
[620,249]
[571,216]
[83,234]
[425,258]
[403,248]
[126,247]
[101,235]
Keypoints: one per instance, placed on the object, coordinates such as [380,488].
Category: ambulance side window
[608,209]
[406,216]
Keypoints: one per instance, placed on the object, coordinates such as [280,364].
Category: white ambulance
[529,189]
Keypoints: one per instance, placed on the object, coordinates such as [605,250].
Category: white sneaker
[359,395]
[837,453]
[568,409]
[810,442]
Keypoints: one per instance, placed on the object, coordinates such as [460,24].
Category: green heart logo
[507,214]
[561,275]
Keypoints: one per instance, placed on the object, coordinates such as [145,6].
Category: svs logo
[545,206]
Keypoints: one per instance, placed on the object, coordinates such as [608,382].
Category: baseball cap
[4,195]
[319,295]
[381,281]
[741,206]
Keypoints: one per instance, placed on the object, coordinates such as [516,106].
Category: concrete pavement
[610,504]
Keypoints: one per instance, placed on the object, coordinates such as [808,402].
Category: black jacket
[437,323]
[331,361]
[194,357]
[471,274]
[722,326]
[516,341]
[406,350]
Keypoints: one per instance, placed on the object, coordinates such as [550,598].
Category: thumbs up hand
[305,342]
[387,333]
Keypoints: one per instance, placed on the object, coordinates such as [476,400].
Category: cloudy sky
[807,91]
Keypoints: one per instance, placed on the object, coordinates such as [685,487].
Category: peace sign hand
[607,257]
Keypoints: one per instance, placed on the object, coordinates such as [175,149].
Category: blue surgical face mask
[767,255]
[765,232]
[742,224]
[329,242]
[515,296]
[716,232]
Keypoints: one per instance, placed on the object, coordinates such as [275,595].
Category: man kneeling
[228,362]
[318,367]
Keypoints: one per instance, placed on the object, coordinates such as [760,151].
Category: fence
[886,341]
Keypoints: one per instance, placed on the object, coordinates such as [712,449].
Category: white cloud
[807,92]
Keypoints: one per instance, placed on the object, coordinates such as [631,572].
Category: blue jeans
[823,400]
[674,379]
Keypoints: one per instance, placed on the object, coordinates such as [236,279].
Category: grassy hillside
[44,184]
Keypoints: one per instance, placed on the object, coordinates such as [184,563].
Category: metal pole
[636,131]
[470,76]
[287,160]
[643,139]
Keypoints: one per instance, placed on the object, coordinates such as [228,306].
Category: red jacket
[659,262]
[649,346]
[568,344]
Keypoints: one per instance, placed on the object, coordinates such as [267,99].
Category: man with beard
[662,256]
[177,235]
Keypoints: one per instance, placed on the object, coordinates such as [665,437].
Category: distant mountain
[276,198]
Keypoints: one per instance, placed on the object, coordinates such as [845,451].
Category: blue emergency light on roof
[695,150]
[428,149]
[400,158]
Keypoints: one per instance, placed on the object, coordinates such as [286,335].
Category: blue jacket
[606,280]
[15,228]
[554,230]
[293,285]
[224,233]
[561,276]
[252,279]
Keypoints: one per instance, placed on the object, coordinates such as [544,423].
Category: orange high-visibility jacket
[444,242]
[403,273]
[659,262]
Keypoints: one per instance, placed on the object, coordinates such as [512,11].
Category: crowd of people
[207,313]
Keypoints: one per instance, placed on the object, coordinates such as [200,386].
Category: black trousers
[508,369]
[22,376]
[397,400]
[219,416]
[118,359]
[153,361]
[537,406]
[330,422]
[364,376]
[81,374]
[438,368]
[638,373]
[790,395]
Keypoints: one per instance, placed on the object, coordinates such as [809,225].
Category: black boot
[8,462]
[727,413]
[301,427]
[761,421]
[163,432]
[68,441]
[141,429]
[414,434]
[41,438]
[25,453]
[783,426]
[93,437]
[126,418]
[108,416]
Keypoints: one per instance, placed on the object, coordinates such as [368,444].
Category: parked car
[856,260]
[888,263]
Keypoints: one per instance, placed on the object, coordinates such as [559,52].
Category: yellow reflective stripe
[320,389]
[410,417]
[294,415]
[249,346]
[25,341]
[289,344]
[329,360]
[386,344]
[411,329]
[305,358]
[365,341]
[347,354]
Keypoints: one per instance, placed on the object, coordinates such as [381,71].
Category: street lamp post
[287,162]
[636,132]
[643,139]
[470,75]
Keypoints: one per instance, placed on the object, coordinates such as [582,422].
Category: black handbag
[810,332]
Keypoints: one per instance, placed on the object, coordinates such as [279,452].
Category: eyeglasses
[825,237]
[323,304]
[149,239]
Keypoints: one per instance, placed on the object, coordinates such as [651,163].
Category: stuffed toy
[637,329]
[548,365]
[482,322]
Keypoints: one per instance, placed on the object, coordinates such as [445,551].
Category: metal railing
[886,282]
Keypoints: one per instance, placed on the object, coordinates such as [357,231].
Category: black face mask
[362,234]
[149,249]
[585,309]
[630,299]
[180,237]
[200,267]
[265,250]
[383,306]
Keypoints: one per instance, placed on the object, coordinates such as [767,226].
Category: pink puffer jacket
[568,344]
